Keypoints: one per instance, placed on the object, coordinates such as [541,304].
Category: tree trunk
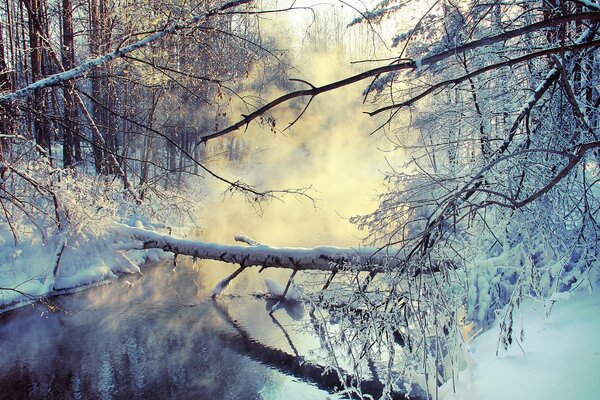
[70,110]
[322,258]
[7,119]
[94,43]
[41,129]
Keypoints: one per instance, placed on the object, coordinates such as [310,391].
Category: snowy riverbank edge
[27,271]
[559,357]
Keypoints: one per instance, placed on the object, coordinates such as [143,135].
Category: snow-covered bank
[64,237]
[27,270]
[560,357]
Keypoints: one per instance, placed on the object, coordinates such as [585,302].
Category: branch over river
[322,258]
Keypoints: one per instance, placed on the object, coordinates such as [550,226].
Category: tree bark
[94,43]
[70,109]
[7,120]
[322,258]
[41,129]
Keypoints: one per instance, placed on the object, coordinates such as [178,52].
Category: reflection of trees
[296,365]
[135,344]
[142,342]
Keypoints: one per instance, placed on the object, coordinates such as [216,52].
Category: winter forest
[279,199]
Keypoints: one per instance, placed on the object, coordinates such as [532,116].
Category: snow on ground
[77,234]
[26,270]
[561,358]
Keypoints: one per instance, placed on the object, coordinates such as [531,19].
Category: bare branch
[409,65]
[507,63]
[561,175]
[118,53]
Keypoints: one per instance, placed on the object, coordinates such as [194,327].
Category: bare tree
[497,201]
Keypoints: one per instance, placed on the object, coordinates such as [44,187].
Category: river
[159,335]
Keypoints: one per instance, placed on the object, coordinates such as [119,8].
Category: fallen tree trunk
[323,258]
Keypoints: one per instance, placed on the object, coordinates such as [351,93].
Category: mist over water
[161,337]
[329,150]
[128,340]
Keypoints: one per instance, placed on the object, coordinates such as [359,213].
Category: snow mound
[276,289]
[560,357]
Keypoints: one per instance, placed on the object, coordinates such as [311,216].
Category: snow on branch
[118,53]
[590,4]
[400,66]
[323,258]
[247,240]
[492,67]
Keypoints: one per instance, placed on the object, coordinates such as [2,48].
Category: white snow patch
[276,289]
[29,268]
[560,296]
[561,359]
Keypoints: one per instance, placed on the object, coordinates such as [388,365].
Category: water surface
[154,336]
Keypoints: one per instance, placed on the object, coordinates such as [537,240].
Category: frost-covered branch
[118,53]
[577,157]
[492,67]
[590,4]
[432,233]
[400,66]
[322,258]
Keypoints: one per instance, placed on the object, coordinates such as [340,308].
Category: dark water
[162,337]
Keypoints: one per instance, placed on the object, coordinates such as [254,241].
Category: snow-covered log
[322,258]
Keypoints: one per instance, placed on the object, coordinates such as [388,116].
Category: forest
[131,131]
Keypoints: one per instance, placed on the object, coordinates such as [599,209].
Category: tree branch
[118,53]
[408,65]
[324,258]
[488,68]
[562,174]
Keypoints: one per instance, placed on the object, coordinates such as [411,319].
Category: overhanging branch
[59,78]
[507,63]
[408,65]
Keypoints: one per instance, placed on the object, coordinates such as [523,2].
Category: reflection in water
[158,337]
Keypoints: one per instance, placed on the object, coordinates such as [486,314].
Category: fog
[165,319]
[329,149]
